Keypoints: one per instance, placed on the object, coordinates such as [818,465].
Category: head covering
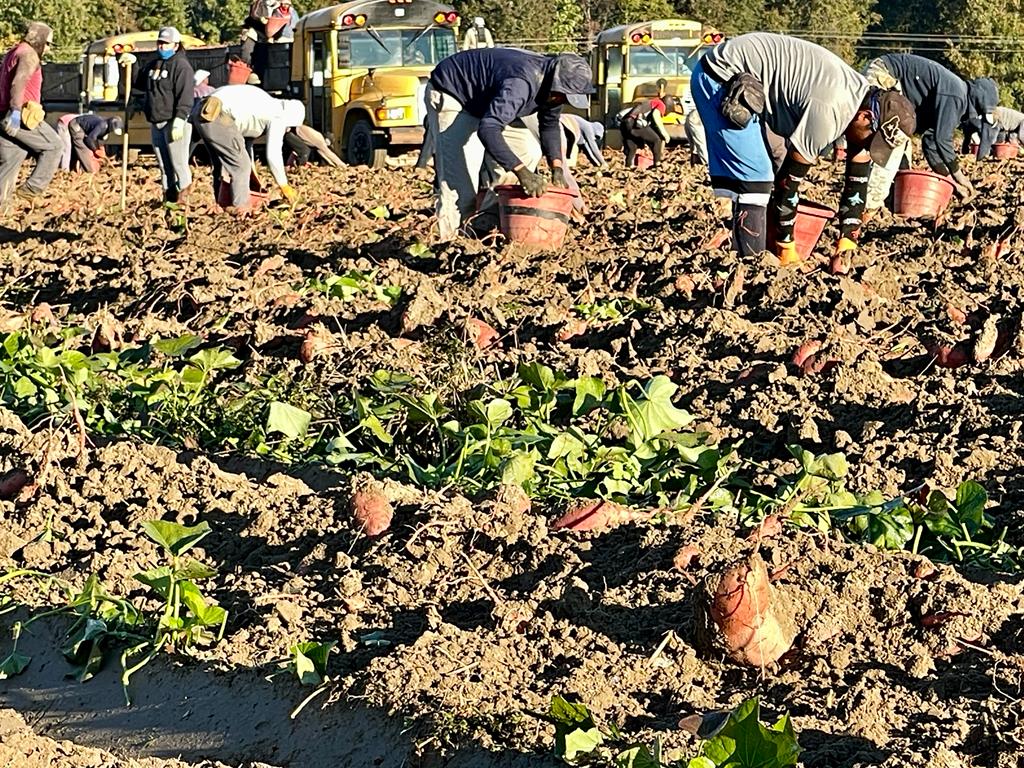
[574,78]
[294,112]
[38,35]
[168,35]
[199,76]
[116,125]
[896,120]
[478,21]
[982,97]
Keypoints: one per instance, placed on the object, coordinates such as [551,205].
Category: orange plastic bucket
[642,161]
[1005,150]
[921,194]
[811,220]
[258,197]
[536,222]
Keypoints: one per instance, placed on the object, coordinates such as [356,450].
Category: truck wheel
[361,147]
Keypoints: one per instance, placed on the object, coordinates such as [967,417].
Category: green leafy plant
[355,284]
[309,664]
[744,742]
[610,309]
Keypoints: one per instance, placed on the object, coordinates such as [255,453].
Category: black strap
[540,213]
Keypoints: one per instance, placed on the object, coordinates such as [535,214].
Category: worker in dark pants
[809,96]
[84,137]
[942,101]
[641,127]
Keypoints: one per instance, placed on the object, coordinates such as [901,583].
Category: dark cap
[897,121]
[573,78]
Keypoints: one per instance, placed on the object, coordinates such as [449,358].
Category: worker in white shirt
[235,113]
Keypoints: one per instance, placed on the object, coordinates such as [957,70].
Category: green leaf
[578,742]
[287,420]
[309,661]
[193,570]
[639,756]
[654,413]
[745,743]
[176,539]
[590,392]
[158,579]
[832,467]
[537,376]
[178,346]
[380,212]
[518,469]
[495,413]
[971,499]
[13,665]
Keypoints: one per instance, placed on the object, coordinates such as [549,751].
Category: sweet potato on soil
[745,610]
[370,506]
[804,351]
[479,333]
[12,482]
[573,327]
[316,343]
[949,356]
[598,515]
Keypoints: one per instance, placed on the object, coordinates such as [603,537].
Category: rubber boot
[749,228]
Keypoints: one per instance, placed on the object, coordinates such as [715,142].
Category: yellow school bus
[629,60]
[361,68]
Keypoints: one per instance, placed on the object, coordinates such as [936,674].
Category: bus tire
[361,147]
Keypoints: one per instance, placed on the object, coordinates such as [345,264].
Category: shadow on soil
[194,712]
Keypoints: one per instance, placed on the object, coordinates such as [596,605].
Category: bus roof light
[360,19]
[452,17]
[439,17]
[348,19]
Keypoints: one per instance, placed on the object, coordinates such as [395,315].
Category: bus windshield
[676,62]
[401,48]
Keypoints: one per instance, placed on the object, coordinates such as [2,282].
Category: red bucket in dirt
[811,219]
[642,161]
[257,196]
[921,194]
[1005,150]
[536,222]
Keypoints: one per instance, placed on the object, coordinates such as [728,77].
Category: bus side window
[344,50]
[320,59]
[613,67]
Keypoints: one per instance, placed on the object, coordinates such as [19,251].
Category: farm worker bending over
[235,113]
[83,137]
[942,101]
[168,83]
[1009,124]
[808,95]
[641,126]
[22,130]
[475,103]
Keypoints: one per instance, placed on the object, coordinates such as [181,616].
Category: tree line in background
[974,37]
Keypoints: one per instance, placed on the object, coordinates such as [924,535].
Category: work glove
[177,129]
[558,177]
[12,123]
[289,193]
[963,187]
[533,184]
[787,254]
[845,249]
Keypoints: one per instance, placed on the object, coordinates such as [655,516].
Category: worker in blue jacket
[475,101]
[942,102]
[84,138]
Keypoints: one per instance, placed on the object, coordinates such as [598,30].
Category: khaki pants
[882,176]
[462,168]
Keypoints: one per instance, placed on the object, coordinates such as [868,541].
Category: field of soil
[471,611]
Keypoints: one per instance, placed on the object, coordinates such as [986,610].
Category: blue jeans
[738,158]
[172,157]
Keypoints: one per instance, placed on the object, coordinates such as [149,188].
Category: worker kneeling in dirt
[798,90]
[475,101]
[641,127]
[236,113]
[84,138]
[1009,125]
[942,100]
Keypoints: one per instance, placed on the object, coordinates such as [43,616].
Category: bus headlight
[391,113]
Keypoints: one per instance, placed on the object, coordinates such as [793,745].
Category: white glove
[177,129]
